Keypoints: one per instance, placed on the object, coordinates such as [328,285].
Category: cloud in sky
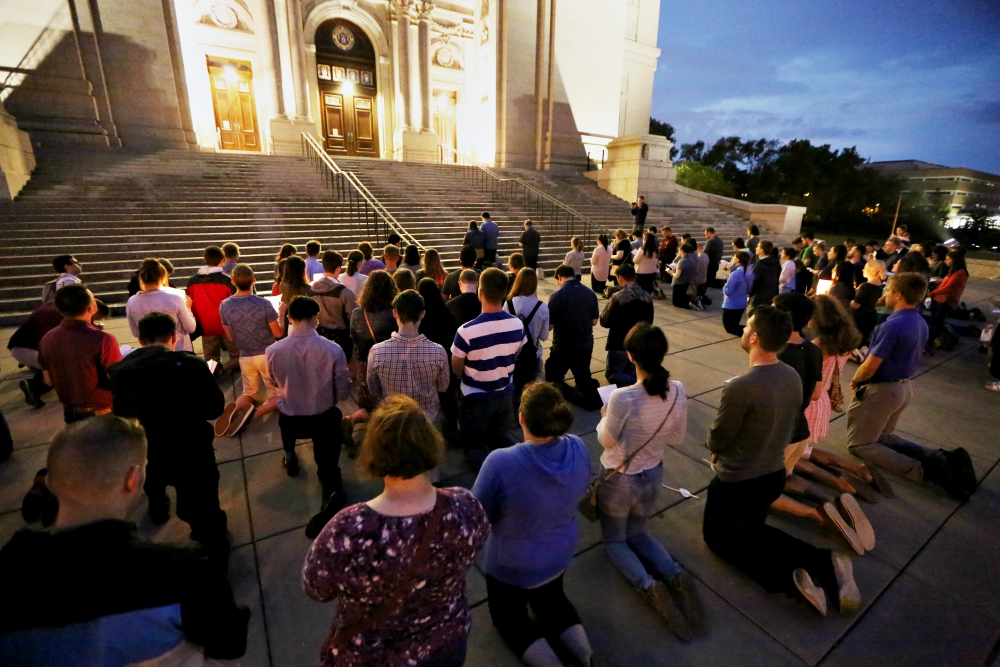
[899,80]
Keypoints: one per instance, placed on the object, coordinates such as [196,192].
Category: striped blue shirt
[489,344]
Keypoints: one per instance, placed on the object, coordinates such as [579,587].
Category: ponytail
[354,258]
[657,384]
[647,345]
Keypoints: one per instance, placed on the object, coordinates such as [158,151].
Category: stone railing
[774,218]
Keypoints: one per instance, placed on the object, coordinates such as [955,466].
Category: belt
[890,381]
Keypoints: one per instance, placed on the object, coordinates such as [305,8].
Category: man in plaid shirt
[408,363]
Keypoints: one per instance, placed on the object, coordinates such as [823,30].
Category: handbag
[588,504]
[392,601]
[836,391]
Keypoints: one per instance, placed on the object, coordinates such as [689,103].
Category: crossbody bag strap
[391,603]
[628,461]
[370,330]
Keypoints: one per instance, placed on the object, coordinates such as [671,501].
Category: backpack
[526,364]
[49,291]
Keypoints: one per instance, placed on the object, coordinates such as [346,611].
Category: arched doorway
[346,82]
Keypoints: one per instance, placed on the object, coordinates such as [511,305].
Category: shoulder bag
[588,504]
[526,362]
[392,601]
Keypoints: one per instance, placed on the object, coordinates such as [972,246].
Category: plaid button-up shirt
[413,367]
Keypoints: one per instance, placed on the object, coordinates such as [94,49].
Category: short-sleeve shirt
[807,360]
[572,311]
[899,343]
[489,344]
[77,356]
[249,319]
[868,295]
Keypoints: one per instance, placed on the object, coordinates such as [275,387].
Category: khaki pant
[871,423]
[212,347]
[254,371]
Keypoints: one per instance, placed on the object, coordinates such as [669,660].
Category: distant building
[960,188]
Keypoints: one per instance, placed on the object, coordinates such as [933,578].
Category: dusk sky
[910,79]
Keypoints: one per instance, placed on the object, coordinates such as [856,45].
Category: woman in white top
[786,281]
[600,264]
[522,297]
[353,279]
[640,422]
[647,260]
[574,258]
[154,298]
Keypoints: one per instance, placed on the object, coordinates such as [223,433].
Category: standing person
[68,604]
[682,277]
[753,240]
[207,289]
[786,279]
[641,420]
[530,493]
[491,232]
[251,323]
[408,363]
[310,376]
[530,241]
[370,264]
[574,258]
[467,259]
[433,268]
[600,265]
[734,293]
[466,306]
[882,390]
[411,259]
[173,395]
[439,326]
[397,564]
[352,278]
[314,267]
[747,442]
[231,255]
[626,308]
[336,303]
[294,283]
[646,260]
[155,299]
[573,314]
[483,356]
[477,239]
[766,273]
[514,264]
[639,212]
[523,302]
[714,249]
[23,346]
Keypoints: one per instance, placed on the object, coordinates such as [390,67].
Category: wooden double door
[350,120]
[232,96]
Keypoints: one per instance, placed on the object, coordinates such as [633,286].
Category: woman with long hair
[439,324]
[534,531]
[294,282]
[600,264]
[947,296]
[734,293]
[433,268]
[156,297]
[641,421]
[843,283]
[397,563]
[522,301]
[411,259]
[352,278]
[939,268]
[647,260]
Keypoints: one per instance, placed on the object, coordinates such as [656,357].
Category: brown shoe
[813,594]
[859,522]
[850,596]
[241,418]
[838,523]
[224,420]
[659,599]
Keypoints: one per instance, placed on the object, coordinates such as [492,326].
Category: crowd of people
[436,359]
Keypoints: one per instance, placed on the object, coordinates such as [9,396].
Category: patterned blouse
[818,412]
[361,553]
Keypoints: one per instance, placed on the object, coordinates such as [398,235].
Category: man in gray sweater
[756,420]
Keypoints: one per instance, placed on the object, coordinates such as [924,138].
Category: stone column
[403,36]
[424,35]
[297,45]
[267,31]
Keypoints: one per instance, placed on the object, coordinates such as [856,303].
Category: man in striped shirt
[483,356]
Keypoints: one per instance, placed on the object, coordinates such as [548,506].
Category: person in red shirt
[23,346]
[75,356]
[946,297]
[207,289]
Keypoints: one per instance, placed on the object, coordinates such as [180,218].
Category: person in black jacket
[173,395]
[626,308]
[93,589]
[766,272]
[639,211]
[714,249]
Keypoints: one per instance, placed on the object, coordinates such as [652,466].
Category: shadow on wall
[568,151]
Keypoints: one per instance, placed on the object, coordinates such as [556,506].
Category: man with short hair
[573,314]
[231,255]
[766,276]
[336,302]
[639,211]
[756,420]
[173,395]
[515,263]
[390,257]
[700,280]
[250,323]
[891,252]
[882,391]
[626,308]
[69,269]
[714,249]
[93,591]
[492,233]
[809,248]
[23,346]
[483,357]
[466,306]
[310,375]
[207,290]
[313,266]
[467,259]
[530,241]
[667,253]
[408,363]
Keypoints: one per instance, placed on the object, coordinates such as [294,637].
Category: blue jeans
[625,503]
[620,370]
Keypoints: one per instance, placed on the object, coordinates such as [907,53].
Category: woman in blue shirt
[735,293]
[530,493]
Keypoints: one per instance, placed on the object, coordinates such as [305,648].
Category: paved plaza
[931,587]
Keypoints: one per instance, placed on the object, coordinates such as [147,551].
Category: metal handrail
[547,208]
